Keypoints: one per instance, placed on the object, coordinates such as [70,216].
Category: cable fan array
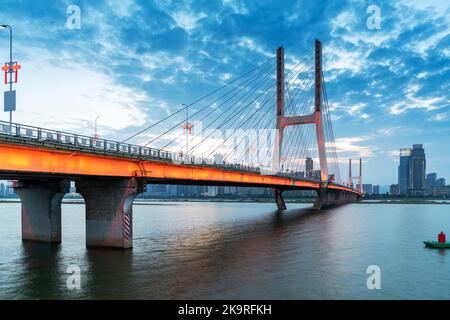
[236,123]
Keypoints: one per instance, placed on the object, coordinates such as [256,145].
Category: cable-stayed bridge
[265,128]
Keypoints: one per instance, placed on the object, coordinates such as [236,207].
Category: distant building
[417,169]
[394,190]
[229,190]
[442,191]
[440,183]
[376,189]
[367,188]
[212,191]
[72,188]
[431,179]
[403,171]
[309,166]
[315,174]
[218,158]
[173,190]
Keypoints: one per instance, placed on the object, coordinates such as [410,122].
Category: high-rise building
[431,179]
[403,171]
[309,166]
[417,169]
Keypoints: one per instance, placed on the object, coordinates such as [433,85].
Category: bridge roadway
[110,174]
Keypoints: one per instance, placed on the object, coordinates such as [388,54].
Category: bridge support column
[41,208]
[109,211]
[278,195]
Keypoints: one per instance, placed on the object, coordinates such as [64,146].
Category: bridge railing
[92,143]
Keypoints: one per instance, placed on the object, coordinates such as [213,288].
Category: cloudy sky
[133,62]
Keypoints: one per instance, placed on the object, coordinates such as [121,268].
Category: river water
[193,250]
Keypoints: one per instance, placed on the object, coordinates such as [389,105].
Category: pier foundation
[109,212]
[279,200]
[41,208]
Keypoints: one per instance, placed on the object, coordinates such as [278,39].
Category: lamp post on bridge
[10,67]
[187,127]
[96,136]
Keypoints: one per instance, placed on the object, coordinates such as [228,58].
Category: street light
[6,26]
[187,126]
[95,128]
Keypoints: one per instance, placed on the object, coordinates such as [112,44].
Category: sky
[133,62]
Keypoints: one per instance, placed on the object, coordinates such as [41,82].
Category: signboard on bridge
[9,100]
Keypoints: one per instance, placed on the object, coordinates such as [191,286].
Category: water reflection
[239,251]
[40,270]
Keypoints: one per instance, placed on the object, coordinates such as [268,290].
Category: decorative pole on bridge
[318,111]
[187,127]
[10,67]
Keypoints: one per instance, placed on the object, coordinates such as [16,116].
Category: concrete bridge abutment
[41,208]
[109,212]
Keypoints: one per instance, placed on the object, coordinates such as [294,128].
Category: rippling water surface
[237,251]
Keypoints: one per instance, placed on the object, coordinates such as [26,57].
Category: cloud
[187,20]
[439,117]
[355,111]
[80,95]
[236,6]
[351,145]
[428,104]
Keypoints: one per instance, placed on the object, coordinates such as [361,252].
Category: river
[207,250]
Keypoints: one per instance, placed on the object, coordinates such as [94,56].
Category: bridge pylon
[313,118]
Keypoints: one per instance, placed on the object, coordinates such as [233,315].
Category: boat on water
[436,244]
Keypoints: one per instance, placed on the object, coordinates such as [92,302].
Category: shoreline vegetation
[169,201]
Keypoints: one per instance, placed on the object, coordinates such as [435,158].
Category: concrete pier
[109,214]
[279,200]
[327,198]
[41,208]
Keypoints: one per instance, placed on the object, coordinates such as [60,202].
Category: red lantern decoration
[6,68]
[16,68]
